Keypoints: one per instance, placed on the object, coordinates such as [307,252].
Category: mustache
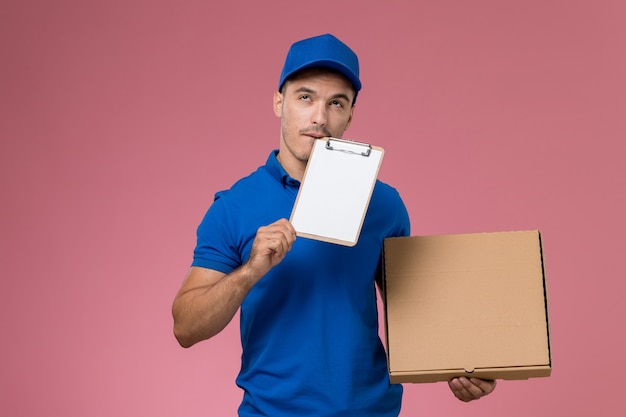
[316,131]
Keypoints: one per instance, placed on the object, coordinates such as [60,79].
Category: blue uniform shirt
[309,328]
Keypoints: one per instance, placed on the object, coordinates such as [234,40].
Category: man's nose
[319,116]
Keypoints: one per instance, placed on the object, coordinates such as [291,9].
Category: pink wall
[120,119]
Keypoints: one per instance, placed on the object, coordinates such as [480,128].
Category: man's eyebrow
[341,95]
[308,90]
[305,90]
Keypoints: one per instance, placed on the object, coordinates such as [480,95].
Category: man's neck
[295,170]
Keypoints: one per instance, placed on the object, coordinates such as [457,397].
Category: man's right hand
[270,246]
[208,299]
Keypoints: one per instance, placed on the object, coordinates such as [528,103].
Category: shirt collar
[277,171]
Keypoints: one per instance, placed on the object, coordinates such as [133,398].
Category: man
[309,320]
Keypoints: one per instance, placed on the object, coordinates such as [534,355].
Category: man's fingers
[471,389]
[271,244]
[278,237]
[486,386]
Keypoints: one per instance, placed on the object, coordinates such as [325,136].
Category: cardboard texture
[468,304]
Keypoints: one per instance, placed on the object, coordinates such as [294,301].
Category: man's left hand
[469,389]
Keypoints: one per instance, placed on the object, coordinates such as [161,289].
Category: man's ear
[278,103]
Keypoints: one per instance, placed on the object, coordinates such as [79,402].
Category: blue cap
[325,51]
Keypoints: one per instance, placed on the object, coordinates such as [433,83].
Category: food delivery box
[470,305]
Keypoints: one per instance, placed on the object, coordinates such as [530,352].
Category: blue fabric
[325,51]
[309,328]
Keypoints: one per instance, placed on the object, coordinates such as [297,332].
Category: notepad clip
[348,146]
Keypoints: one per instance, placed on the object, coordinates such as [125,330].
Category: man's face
[313,105]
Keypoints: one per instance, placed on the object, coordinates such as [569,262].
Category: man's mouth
[317,134]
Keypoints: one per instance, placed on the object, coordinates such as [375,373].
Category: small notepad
[336,189]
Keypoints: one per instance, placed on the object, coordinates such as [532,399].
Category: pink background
[120,119]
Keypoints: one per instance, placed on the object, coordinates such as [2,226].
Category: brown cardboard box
[468,304]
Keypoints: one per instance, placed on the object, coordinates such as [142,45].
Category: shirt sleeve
[217,246]
[402,224]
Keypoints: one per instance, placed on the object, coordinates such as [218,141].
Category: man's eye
[336,103]
[305,97]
